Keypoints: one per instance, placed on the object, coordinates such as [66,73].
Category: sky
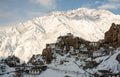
[15,11]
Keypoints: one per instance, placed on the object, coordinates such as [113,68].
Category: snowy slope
[30,37]
[111,63]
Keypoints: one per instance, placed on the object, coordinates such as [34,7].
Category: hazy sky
[14,11]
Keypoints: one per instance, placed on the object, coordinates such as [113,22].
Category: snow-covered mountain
[26,39]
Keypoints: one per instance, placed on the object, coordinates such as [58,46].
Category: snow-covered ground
[53,73]
[111,63]
[71,67]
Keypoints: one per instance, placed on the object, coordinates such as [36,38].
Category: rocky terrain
[77,43]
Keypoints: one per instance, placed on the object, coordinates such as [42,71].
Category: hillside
[70,56]
[28,38]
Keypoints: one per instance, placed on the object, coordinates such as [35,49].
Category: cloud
[106,5]
[46,3]
[110,5]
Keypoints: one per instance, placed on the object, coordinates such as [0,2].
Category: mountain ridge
[30,37]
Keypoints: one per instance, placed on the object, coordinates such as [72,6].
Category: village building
[83,55]
[36,60]
[36,70]
[93,46]
[47,54]
[64,42]
[12,61]
[99,52]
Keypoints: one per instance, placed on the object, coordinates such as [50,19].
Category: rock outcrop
[113,35]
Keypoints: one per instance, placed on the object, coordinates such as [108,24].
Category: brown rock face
[113,35]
